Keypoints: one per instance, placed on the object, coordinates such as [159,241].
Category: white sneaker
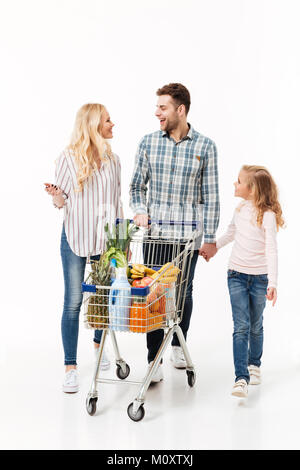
[105,362]
[70,384]
[177,357]
[240,389]
[255,378]
[158,376]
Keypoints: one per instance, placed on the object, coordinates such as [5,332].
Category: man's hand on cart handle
[208,250]
[141,220]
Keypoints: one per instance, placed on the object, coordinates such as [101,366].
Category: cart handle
[163,222]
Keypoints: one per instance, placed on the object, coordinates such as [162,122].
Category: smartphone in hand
[52,189]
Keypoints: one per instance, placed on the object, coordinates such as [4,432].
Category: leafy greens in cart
[118,241]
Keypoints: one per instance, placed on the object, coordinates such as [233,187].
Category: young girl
[252,269]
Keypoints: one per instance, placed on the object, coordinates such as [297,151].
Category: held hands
[208,250]
[272,295]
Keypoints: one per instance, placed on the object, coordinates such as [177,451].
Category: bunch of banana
[138,271]
[170,275]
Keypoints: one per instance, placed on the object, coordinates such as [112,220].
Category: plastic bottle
[139,315]
[112,269]
[120,301]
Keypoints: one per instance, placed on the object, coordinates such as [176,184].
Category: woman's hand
[52,190]
[56,194]
[272,295]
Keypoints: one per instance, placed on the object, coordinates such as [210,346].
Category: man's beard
[173,124]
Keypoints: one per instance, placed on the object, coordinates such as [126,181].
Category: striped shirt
[183,182]
[86,212]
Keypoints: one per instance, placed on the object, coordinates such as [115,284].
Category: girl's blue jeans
[73,269]
[248,299]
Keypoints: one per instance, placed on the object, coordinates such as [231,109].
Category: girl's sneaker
[105,362]
[240,389]
[70,384]
[254,372]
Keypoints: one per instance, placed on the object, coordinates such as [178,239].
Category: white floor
[35,414]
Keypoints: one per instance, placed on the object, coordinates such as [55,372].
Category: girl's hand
[272,295]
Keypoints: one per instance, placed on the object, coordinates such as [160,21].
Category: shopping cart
[143,309]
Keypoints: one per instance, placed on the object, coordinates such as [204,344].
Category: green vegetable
[120,235]
[118,241]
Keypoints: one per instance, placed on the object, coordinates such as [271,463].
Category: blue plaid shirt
[181,179]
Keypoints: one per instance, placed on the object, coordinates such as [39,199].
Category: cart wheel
[120,373]
[91,405]
[139,414]
[191,377]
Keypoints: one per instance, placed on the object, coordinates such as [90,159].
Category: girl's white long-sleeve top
[255,248]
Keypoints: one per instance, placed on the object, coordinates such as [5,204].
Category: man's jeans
[162,254]
[248,300]
[73,269]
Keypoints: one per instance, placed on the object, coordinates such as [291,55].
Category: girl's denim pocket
[263,279]
[231,273]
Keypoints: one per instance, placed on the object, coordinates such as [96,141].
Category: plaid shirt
[183,182]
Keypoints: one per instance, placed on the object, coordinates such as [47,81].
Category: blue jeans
[248,299]
[161,255]
[73,269]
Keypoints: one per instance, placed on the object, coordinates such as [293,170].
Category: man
[179,165]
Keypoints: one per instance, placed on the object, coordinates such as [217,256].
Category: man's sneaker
[177,357]
[105,362]
[254,372]
[70,384]
[240,389]
[158,376]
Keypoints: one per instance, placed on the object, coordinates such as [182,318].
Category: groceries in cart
[120,301]
[161,299]
[138,305]
[103,272]
[148,311]
[138,285]
[167,273]
[128,297]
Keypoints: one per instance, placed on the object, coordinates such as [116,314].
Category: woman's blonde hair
[86,138]
[265,193]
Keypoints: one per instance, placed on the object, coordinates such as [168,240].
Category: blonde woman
[252,273]
[88,187]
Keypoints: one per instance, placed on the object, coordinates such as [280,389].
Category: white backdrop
[240,61]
